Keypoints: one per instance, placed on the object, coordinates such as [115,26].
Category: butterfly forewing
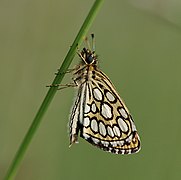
[99,114]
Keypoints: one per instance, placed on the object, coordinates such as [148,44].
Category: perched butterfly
[99,114]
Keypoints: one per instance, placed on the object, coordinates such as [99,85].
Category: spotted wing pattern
[100,115]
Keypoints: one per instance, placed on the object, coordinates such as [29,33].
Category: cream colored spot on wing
[86,136]
[106,111]
[122,124]
[97,94]
[116,131]
[95,140]
[133,125]
[105,143]
[110,131]
[110,96]
[94,125]
[86,121]
[93,108]
[114,143]
[123,112]
[102,129]
[87,108]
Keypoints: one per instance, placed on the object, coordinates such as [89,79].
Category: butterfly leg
[63,86]
[68,71]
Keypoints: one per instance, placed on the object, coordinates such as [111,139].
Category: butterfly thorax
[87,68]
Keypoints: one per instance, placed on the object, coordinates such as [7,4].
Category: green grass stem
[14,166]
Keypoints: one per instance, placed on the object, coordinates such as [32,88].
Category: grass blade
[12,171]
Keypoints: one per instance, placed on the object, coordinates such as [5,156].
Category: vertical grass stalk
[12,171]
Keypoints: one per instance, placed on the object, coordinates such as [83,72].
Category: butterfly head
[88,56]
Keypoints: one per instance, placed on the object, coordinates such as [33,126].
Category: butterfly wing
[106,122]
[101,116]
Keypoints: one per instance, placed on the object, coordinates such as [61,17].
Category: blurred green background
[139,48]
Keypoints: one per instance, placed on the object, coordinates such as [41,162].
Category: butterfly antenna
[93,42]
[87,43]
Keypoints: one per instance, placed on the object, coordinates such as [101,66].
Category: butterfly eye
[90,59]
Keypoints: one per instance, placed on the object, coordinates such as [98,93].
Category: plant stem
[11,173]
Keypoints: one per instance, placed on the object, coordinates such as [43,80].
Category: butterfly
[99,115]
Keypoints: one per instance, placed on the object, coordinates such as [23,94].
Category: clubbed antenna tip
[93,42]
